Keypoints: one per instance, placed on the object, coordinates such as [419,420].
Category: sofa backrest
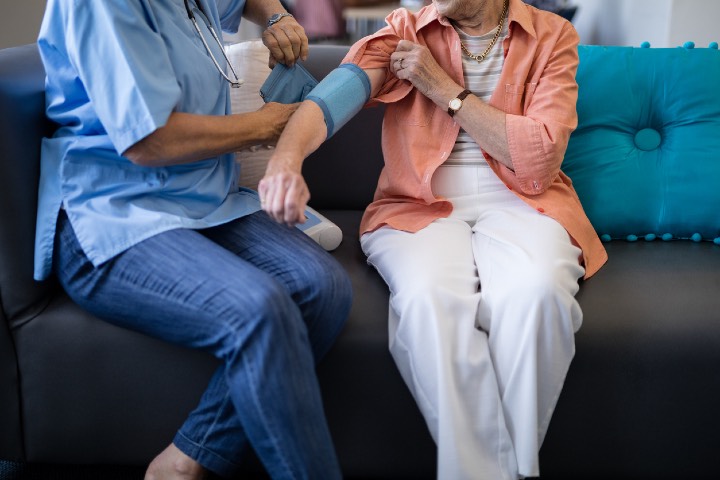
[22,126]
[630,184]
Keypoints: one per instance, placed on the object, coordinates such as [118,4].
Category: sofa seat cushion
[645,157]
[88,386]
[645,376]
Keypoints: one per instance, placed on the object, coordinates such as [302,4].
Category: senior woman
[479,235]
[141,220]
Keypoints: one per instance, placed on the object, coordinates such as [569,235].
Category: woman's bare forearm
[304,134]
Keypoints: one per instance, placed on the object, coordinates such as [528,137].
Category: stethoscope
[191,16]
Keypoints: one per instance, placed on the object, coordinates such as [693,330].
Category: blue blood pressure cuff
[341,95]
[287,84]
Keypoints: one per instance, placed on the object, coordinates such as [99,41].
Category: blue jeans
[261,297]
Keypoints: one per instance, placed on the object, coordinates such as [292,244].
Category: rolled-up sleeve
[231,12]
[132,93]
[374,51]
[538,138]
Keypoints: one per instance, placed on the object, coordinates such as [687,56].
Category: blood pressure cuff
[287,84]
[341,95]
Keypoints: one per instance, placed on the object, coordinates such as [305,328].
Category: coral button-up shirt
[538,92]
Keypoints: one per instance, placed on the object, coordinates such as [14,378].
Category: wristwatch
[276,18]
[457,102]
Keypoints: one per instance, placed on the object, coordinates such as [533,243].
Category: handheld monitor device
[323,231]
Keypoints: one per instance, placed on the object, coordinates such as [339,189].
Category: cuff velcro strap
[341,95]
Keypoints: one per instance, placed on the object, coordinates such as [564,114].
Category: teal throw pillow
[645,158]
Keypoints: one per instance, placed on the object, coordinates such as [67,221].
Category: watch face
[455,104]
[276,18]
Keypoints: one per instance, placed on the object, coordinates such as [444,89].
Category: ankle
[173,464]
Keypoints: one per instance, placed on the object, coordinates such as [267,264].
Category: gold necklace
[498,29]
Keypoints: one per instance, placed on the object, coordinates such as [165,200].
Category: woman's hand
[286,41]
[283,191]
[415,63]
[485,124]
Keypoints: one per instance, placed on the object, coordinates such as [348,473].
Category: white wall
[663,23]
[695,20]
[20,21]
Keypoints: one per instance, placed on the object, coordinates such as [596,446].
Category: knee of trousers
[434,287]
[333,287]
[539,295]
[267,315]
[433,311]
[323,280]
[536,282]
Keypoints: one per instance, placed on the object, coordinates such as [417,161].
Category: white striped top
[481,79]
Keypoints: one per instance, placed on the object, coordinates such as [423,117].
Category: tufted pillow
[645,158]
[250,60]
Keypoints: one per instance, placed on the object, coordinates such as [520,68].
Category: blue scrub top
[116,70]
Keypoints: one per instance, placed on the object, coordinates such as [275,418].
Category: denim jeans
[261,297]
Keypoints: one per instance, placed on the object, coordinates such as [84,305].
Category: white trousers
[482,322]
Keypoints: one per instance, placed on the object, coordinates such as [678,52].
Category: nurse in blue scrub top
[141,220]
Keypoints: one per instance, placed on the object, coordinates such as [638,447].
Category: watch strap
[277,17]
[461,96]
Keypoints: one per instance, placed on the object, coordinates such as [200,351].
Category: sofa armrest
[22,126]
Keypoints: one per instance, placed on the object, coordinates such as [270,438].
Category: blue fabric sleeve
[231,12]
[122,65]
[341,95]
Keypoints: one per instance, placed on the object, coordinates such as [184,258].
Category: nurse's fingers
[286,41]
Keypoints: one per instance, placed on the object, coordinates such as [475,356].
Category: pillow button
[648,139]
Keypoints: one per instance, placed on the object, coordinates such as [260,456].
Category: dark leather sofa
[640,401]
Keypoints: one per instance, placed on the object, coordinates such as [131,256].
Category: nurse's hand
[286,41]
[275,117]
[283,191]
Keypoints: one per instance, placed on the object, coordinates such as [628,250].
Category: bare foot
[172,464]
